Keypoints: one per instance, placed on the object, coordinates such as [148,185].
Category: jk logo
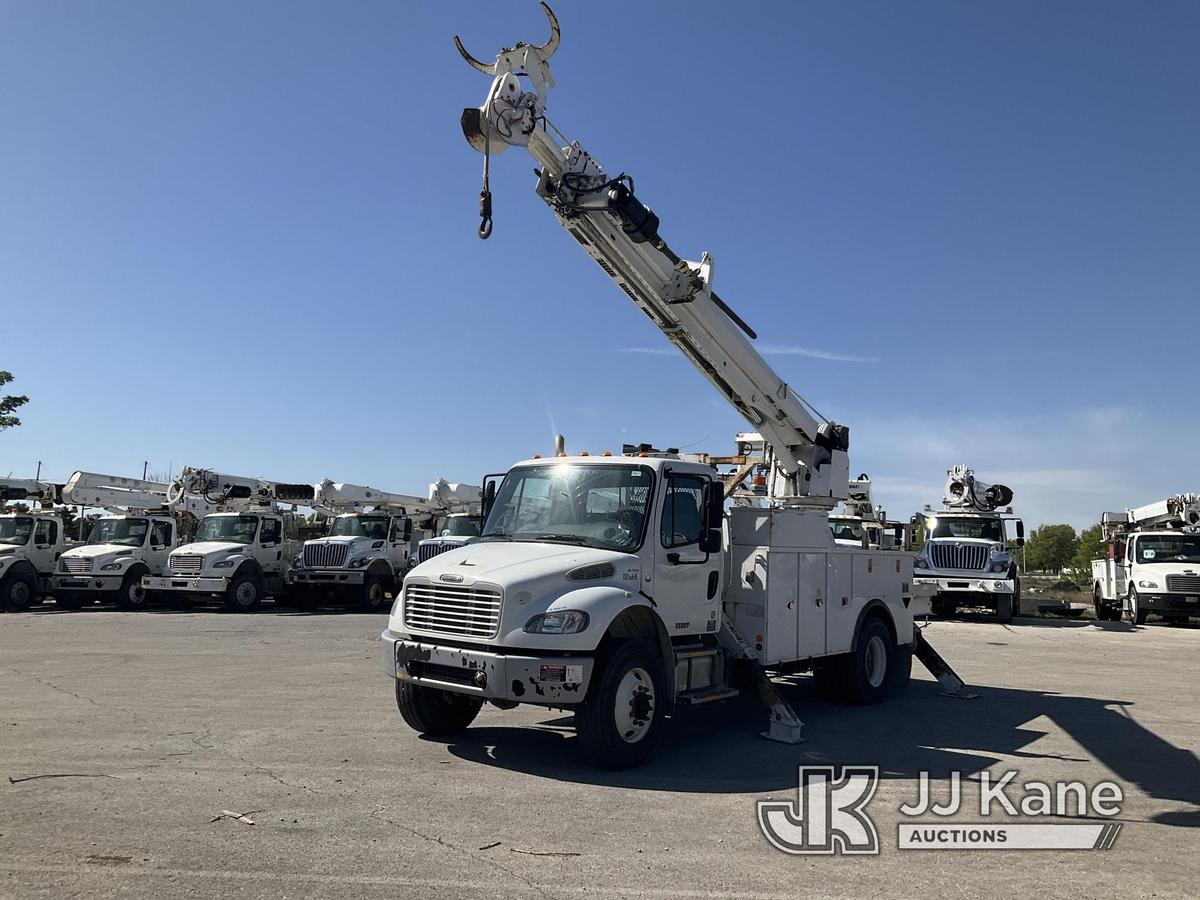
[828,815]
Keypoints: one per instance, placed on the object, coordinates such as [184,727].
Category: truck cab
[1149,572]
[965,561]
[239,556]
[361,560]
[30,546]
[110,565]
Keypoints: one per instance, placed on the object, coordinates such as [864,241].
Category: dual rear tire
[876,668]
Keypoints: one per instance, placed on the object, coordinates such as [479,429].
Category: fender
[381,567]
[21,567]
[602,603]
[878,608]
[138,570]
[248,567]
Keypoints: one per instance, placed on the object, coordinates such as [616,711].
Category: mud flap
[952,685]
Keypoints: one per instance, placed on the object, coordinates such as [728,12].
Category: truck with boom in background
[132,539]
[1152,564]
[31,542]
[860,523]
[965,560]
[620,587]
[369,545]
[242,551]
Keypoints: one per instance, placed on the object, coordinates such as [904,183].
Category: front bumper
[186,584]
[1187,604]
[546,680]
[94,582]
[968,584]
[329,577]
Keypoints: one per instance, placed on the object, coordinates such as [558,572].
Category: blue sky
[243,236]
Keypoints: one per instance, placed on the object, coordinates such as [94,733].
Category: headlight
[999,566]
[298,562]
[921,562]
[1147,583]
[112,566]
[567,621]
[224,564]
[358,563]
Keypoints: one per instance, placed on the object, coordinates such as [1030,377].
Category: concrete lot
[175,717]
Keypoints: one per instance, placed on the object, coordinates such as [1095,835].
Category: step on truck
[1152,563]
[622,587]
[369,546]
[965,559]
[31,542]
[241,553]
[130,540]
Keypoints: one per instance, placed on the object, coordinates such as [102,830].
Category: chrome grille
[430,549]
[452,609]
[326,556]
[1184,584]
[972,557]
[187,564]
[77,564]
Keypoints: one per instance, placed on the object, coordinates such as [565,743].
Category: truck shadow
[720,750]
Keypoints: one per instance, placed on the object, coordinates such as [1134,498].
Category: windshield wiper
[496,536]
[554,538]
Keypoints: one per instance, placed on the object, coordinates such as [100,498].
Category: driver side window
[270,531]
[46,533]
[681,518]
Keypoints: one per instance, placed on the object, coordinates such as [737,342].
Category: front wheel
[1004,608]
[621,722]
[943,607]
[244,593]
[131,594]
[431,711]
[18,591]
[374,594]
[1137,613]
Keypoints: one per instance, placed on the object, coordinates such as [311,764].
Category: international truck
[31,542]
[1152,563]
[965,559]
[622,587]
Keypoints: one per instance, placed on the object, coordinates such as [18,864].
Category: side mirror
[712,517]
[1020,533]
[489,497]
[406,531]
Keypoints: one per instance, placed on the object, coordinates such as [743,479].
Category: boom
[30,489]
[235,490]
[113,492]
[807,453]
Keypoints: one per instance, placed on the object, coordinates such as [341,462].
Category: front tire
[244,593]
[1137,614]
[374,594]
[431,711]
[131,594]
[1004,608]
[17,592]
[621,722]
[943,607]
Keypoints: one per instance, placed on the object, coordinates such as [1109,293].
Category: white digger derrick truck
[860,523]
[1153,562]
[965,560]
[31,542]
[241,553]
[132,539]
[369,545]
[459,525]
[618,586]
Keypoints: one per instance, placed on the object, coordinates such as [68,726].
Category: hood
[510,563]
[348,539]
[95,551]
[204,548]
[966,542]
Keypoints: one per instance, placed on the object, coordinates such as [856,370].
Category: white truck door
[159,544]
[686,579]
[270,544]
[400,534]
[46,545]
[1122,564]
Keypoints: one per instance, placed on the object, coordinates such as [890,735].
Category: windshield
[846,531]
[593,505]
[1169,548]
[461,526]
[15,530]
[987,529]
[236,529]
[374,527]
[127,532]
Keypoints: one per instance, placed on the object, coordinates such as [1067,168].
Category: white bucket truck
[31,542]
[860,523]
[620,586]
[131,540]
[965,559]
[369,545]
[242,552]
[457,527]
[1152,564]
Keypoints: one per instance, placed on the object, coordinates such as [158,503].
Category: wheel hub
[876,661]
[634,710]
